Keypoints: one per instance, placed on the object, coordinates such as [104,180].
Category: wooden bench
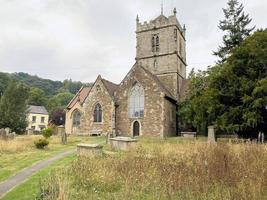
[95,133]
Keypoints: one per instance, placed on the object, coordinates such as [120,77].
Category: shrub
[47,133]
[41,143]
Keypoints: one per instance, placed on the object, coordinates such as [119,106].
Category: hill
[49,87]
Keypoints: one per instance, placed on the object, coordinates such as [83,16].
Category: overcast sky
[79,39]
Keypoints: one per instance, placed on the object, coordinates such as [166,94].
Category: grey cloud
[80,39]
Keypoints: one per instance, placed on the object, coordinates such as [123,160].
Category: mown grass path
[20,177]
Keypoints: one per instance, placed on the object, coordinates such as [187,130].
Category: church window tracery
[136,101]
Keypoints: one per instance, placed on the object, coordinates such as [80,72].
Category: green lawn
[20,153]
[29,189]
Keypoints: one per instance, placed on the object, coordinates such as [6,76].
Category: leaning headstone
[211,135]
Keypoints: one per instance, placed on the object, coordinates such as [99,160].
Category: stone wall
[68,121]
[98,94]
[152,124]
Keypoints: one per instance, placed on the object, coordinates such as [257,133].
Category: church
[145,102]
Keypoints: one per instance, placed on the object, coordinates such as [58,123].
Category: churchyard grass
[165,169]
[20,152]
[29,189]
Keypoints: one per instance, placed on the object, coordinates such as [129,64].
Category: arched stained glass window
[98,113]
[136,101]
[76,118]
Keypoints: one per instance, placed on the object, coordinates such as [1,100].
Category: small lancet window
[76,118]
[98,113]
[175,34]
[180,46]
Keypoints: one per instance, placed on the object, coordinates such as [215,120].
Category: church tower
[160,48]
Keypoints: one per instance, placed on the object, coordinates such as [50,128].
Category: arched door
[136,128]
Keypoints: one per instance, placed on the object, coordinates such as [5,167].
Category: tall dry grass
[18,144]
[165,171]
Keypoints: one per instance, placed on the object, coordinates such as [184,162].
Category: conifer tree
[235,25]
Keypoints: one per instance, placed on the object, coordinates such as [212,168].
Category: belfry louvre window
[155,43]
[76,120]
[98,113]
[136,101]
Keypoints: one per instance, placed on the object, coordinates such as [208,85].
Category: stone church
[145,102]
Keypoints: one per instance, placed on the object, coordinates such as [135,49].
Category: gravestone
[211,135]
[61,131]
[89,149]
[122,143]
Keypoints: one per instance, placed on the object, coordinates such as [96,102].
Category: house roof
[79,97]
[111,87]
[37,110]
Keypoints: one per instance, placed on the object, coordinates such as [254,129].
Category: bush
[41,143]
[47,133]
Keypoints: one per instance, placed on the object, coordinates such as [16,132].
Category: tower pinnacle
[161,7]
[174,11]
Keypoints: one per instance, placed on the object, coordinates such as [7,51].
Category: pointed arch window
[76,118]
[136,101]
[98,113]
[155,43]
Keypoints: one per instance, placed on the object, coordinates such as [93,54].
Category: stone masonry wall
[152,124]
[98,94]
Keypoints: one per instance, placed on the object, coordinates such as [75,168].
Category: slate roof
[79,97]
[37,110]
[111,87]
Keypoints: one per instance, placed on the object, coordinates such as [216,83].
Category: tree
[58,116]
[13,107]
[197,109]
[4,80]
[37,97]
[72,86]
[242,86]
[235,25]
[59,101]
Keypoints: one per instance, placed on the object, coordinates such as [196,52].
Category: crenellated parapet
[160,22]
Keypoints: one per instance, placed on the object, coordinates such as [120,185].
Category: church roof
[111,87]
[79,97]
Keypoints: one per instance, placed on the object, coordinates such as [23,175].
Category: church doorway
[136,128]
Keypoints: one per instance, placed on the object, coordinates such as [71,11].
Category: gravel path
[20,177]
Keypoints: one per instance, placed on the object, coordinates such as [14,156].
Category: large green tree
[235,25]
[231,95]
[37,97]
[60,100]
[241,87]
[4,80]
[13,107]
